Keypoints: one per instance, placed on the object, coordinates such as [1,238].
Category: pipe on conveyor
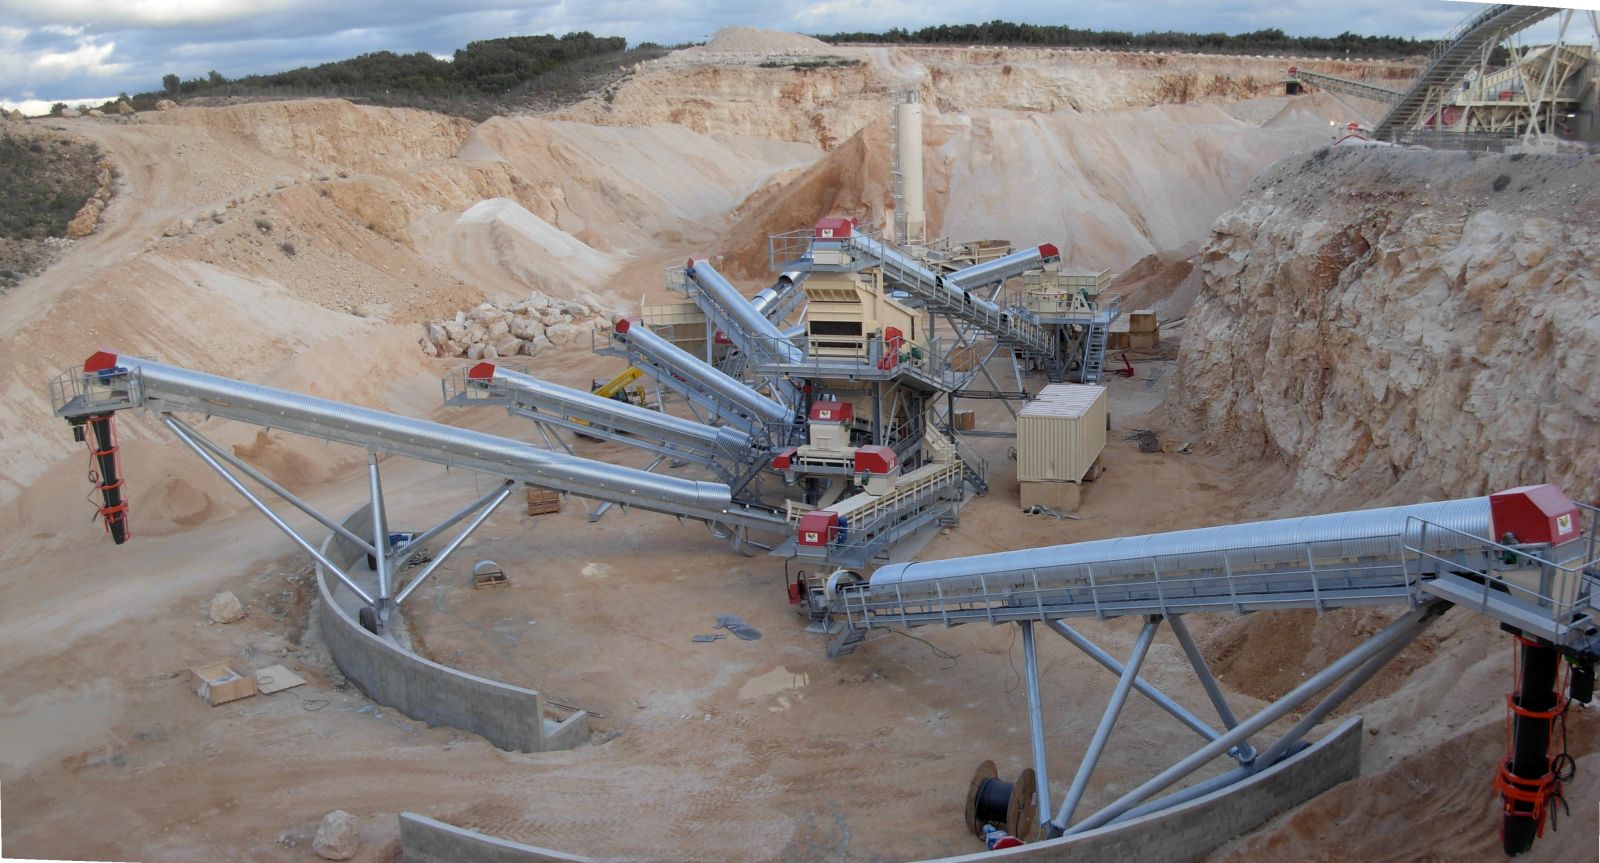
[173,388]
[747,316]
[789,281]
[1357,534]
[1002,268]
[753,407]
[566,401]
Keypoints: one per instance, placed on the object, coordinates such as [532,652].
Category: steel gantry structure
[1537,580]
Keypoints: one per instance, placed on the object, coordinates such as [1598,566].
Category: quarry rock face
[1404,322]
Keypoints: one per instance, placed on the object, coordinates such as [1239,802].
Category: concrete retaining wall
[510,717]
[1178,835]
[424,840]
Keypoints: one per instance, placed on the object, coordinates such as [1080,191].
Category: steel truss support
[492,503]
[192,440]
[1246,752]
[983,364]
[1143,686]
[1360,664]
[388,561]
[1041,768]
[1108,720]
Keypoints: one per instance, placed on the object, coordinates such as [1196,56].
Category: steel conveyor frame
[110,382]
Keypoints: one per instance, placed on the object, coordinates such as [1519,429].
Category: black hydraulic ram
[107,473]
[1527,783]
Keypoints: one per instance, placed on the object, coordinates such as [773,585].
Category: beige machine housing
[848,312]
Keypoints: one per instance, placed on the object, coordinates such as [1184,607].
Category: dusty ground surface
[757,750]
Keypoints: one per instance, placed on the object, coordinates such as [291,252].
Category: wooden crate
[543,501]
[216,683]
[1144,341]
[1117,340]
[1143,321]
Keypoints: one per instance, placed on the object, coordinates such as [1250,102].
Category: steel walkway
[1393,556]
[1358,89]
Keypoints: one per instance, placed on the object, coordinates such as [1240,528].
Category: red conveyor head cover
[99,361]
[817,527]
[832,411]
[1048,251]
[1534,513]
[880,460]
[481,372]
[834,227]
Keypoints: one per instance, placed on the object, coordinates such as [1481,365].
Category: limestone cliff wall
[1393,323]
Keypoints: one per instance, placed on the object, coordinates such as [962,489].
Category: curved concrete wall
[510,717]
[1178,835]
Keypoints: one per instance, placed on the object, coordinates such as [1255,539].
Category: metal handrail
[1233,581]
[1563,584]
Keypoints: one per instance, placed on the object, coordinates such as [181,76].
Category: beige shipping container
[1061,433]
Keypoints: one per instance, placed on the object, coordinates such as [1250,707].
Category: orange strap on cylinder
[1515,789]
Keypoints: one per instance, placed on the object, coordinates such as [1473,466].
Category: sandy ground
[759,750]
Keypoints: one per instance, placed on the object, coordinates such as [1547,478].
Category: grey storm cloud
[80,49]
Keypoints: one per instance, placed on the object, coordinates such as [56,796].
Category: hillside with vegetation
[1271,41]
[45,178]
[484,78]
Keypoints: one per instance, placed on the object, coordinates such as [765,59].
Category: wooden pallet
[542,501]
[496,578]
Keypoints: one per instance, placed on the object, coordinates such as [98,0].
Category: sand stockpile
[1128,183]
[505,250]
[1125,184]
[621,190]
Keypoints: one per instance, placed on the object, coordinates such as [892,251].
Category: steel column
[494,503]
[1041,768]
[265,510]
[1405,626]
[1161,699]
[1108,720]
[380,532]
[1208,681]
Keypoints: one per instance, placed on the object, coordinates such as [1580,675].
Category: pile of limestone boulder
[524,328]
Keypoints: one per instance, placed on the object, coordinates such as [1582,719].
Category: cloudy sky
[89,50]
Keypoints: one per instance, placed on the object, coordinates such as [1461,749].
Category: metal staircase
[1455,55]
[1094,352]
